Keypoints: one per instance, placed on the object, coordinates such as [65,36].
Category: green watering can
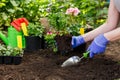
[14,39]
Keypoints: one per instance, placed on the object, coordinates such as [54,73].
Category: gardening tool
[19,24]
[74,60]
[14,39]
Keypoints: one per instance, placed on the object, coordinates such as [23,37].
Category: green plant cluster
[92,12]
[35,29]
[58,21]
[50,41]
[9,51]
[13,9]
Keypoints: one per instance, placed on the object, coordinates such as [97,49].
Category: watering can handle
[85,55]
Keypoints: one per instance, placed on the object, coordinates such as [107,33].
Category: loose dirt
[46,65]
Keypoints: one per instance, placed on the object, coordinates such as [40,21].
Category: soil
[44,64]
[63,43]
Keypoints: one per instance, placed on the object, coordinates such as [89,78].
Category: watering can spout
[3,38]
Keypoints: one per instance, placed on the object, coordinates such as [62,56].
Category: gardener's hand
[77,40]
[98,45]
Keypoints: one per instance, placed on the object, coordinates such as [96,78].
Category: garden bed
[45,65]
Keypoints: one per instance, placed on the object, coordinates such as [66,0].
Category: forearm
[100,30]
[111,23]
[113,35]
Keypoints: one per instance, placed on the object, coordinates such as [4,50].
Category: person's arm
[113,35]
[111,23]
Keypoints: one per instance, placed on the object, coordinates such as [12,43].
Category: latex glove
[77,40]
[98,45]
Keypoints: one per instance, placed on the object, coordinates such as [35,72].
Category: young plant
[10,51]
[17,52]
[72,15]
[58,21]
[49,39]
[2,49]
[74,29]
[35,29]
[72,20]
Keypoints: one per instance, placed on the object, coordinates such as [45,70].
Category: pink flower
[49,33]
[73,11]
[70,11]
[76,11]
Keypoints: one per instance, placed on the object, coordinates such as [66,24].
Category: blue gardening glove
[98,45]
[77,40]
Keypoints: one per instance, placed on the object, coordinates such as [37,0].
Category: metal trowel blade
[74,60]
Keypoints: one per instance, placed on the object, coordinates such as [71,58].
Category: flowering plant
[49,39]
[73,11]
[73,20]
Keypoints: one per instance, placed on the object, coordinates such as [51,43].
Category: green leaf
[2,4]
[27,1]
[11,10]
[20,9]
[4,16]
[14,2]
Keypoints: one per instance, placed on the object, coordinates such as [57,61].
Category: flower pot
[1,59]
[33,43]
[43,46]
[7,59]
[17,60]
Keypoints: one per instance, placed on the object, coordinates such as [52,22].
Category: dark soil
[46,65]
[64,45]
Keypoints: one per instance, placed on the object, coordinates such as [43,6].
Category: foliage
[12,9]
[35,29]
[58,21]
[49,39]
[73,24]
[88,14]
[10,51]
[57,16]
[74,29]
[93,12]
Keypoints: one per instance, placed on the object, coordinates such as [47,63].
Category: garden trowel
[74,60]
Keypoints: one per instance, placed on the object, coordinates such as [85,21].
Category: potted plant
[74,28]
[10,55]
[2,49]
[58,22]
[35,39]
[17,55]
[50,41]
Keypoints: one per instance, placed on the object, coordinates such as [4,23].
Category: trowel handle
[86,54]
